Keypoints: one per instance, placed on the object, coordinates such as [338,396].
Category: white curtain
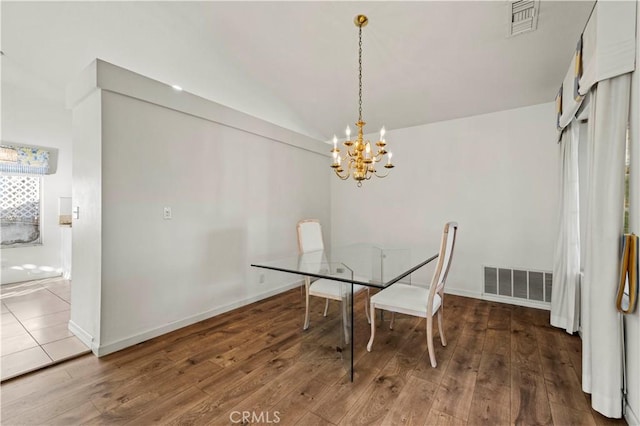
[601,341]
[565,296]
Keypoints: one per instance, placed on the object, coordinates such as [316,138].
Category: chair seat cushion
[405,299]
[331,289]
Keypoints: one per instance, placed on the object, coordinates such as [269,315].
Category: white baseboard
[82,335]
[499,299]
[630,416]
[107,348]
[463,293]
[517,301]
[12,276]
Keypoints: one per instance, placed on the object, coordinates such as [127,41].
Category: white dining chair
[310,243]
[419,301]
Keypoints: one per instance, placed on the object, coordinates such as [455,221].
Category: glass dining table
[364,264]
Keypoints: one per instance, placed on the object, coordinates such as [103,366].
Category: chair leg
[432,355]
[441,327]
[393,318]
[326,308]
[373,328]
[366,307]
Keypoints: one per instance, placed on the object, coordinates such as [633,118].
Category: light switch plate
[167,213]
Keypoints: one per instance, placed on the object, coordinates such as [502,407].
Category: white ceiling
[295,63]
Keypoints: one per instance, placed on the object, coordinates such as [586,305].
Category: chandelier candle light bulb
[360,161]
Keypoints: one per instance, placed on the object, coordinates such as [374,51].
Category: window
[20,210]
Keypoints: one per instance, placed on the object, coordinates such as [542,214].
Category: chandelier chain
[360,74]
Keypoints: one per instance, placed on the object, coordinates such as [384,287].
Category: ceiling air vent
[523,15]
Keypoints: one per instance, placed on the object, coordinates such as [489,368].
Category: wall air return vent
[518,286]
[523,16]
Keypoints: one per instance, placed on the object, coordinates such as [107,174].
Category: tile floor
[35,317]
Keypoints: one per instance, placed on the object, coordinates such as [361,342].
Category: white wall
[86,251]
[495,174]
[236,194]
[30,119]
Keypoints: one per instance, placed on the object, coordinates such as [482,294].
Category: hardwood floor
[503,365]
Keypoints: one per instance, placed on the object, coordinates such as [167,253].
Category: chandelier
[360,161]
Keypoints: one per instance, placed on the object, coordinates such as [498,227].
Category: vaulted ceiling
[295,63]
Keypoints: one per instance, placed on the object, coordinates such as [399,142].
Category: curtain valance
[22,159]
[606,49]
[569,98]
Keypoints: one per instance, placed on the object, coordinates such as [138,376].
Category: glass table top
[364,264]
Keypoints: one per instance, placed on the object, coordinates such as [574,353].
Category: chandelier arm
[348,166]
[381,176]
[345,177]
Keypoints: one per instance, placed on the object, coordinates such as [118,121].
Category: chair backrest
[309,236]
[310,246]
[444,260]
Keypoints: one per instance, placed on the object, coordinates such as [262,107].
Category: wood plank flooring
[503,365]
